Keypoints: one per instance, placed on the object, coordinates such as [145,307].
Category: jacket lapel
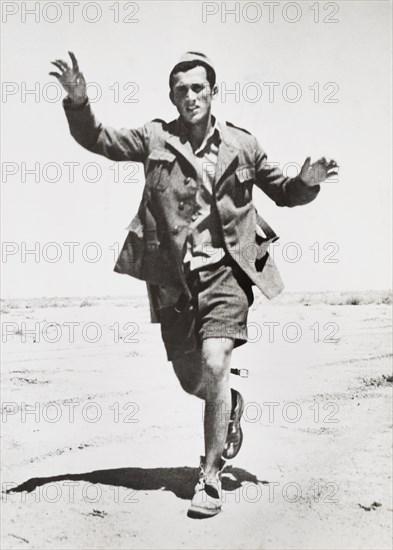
[179,142]
[227,152]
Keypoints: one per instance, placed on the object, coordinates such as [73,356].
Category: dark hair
[188,65]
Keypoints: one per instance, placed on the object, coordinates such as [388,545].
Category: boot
[235,434]
[206,501]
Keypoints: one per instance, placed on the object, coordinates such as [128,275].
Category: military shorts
[221,296]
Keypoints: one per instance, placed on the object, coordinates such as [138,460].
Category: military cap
[194,56]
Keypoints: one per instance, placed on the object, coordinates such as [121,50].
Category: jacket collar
[227,151]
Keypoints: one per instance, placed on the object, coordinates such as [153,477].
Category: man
[197,239]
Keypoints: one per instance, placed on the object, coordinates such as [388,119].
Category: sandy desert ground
[100,446]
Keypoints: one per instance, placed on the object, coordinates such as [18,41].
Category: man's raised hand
[71,79]
[319,171]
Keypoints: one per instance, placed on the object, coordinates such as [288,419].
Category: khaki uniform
[156,243]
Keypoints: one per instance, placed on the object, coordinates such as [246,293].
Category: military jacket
[155,245]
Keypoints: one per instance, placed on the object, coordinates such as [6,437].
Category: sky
[331,65]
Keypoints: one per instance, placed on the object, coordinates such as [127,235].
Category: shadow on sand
[180,480]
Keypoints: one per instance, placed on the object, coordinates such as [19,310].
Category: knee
[216,367]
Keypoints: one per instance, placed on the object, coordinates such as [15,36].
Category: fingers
[332,169]
[64,67]
[61,65]
[75,65]
[57,64]
[327,164]
[64,64]
[320,170]
[321,163]
[306,165]
[332,164]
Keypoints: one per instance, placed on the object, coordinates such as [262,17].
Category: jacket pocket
[136,258]
[244,181]
[136,226]
[131,255]
[245,173]
[160,164]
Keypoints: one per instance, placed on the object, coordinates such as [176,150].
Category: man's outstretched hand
[319,171]
[72,80]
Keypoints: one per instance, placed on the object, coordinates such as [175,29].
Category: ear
[171,97]
[214,91]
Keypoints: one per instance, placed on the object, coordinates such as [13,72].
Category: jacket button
[187,180]
[194,217]
[175,230]
[181,205]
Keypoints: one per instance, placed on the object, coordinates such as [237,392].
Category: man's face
[191,94]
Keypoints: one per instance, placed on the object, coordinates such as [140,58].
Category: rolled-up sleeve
[121,145]
[282,190]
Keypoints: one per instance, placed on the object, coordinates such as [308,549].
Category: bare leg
[206,374]
[216,357]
